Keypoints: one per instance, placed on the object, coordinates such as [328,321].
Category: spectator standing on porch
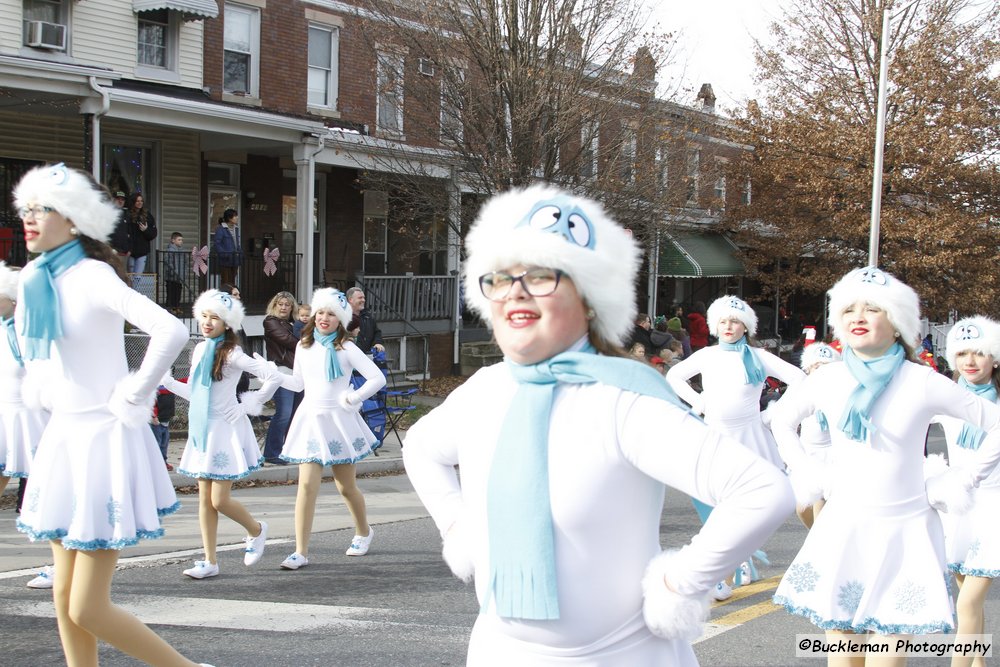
[141,228]
[173,267]
[119,237]
[363,327]
[226,246]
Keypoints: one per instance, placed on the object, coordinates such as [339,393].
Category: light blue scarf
[752,368]
[15,349]
[972,436]
[873,376]
[201,395]
[824,425]
[42,323]
[522,577]
[333,370]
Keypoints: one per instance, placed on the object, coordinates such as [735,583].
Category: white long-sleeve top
[11,374]
[222,398]
[725,396]
[89,360]
[889,467]
[610,452]
[309,373]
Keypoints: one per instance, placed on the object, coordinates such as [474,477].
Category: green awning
[691,255]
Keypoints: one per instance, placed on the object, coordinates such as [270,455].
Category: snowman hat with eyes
[230,310]
[543,226]
[978,334]
[818,353]
[882,290]
[735,307]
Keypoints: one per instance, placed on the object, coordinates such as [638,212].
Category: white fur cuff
[948,491]
[130,414]
[457,553]
[252,402]
[349,400]
[669,614]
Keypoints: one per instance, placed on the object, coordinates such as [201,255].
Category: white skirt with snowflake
[328,435]
[972,541]
[20,432]
[96,484]
[231,452]
[872,569]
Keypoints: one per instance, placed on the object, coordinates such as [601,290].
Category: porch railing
[410,298]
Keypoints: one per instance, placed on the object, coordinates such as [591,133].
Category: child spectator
[173,267]
[305,310]
[163,412]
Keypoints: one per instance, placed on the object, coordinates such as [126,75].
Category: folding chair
[397,404]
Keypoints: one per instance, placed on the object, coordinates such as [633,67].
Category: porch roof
[699,255]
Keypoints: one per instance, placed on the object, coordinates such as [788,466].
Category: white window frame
[253,53]
[171,45]
[384,60]
[693,176]
[590,140]
[453,115]
[746,196]
[332,73]
[662,168]
[628,155]
[63,18]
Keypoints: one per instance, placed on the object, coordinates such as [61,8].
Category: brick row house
[283,110]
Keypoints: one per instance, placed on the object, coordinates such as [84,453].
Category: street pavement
[399,605]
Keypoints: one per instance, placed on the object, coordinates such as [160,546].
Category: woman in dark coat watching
[141,227]
[280,342]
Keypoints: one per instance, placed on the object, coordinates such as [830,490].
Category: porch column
[304,155]
[455,261]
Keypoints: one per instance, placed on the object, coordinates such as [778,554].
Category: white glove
[252,402]
[234,413]
[132,412]
[948,491]
[807,482]
[669,614]
[270,370]
[349,400]
[458,553]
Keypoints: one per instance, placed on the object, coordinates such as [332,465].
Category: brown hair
[229,341]
[102,252]
[308,334]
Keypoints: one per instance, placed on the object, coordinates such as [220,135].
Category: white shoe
[45,578]
[722,591]
[202,569]
[294,562]
[255,545]
[743,575]
[360,545]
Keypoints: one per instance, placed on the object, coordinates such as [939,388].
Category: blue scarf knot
[42,323]
[522,577]
[873,377]
[753,371]
[972,436]
[333,370]
[201,395]
[15,349]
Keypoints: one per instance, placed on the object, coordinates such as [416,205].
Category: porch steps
[473,356]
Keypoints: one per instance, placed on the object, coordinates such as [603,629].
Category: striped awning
[192,10]
[694,255]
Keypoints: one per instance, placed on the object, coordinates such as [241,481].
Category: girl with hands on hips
[327,429]
[221,446]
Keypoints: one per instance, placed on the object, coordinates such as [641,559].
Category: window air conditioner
[426,66]
[46,35]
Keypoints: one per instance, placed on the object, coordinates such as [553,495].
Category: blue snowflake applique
[312,448]
[910,598]
[114,509]
[220,460]
[973,548]
[802,577]
[849,597]
[359,444]
[336,448]
[33,498]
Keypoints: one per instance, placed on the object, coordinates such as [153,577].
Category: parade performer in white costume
[972,541]
[327,429]
[564,451]
[874,559]
[814,432]
[97,481]
[221,447]
[20,427]
[732,378]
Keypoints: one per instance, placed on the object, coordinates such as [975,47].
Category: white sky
[714,44]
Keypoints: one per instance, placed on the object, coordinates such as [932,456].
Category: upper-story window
[453,105]
[746,195]
[241,59]
[324,48]
[693,176]
[589,144]
[662,168]
[46,24]
[155,39]
[389,87]
[627,172]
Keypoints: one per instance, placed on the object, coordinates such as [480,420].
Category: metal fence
[409,297]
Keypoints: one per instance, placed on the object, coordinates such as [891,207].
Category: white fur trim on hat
[74,195]
[731,306]
[882,290]
[334,301]
[8,281]
[818,353]
[977,333]
[222,304]
[543,226]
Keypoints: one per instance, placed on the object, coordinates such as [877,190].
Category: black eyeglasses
[34,211]
[496,285]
